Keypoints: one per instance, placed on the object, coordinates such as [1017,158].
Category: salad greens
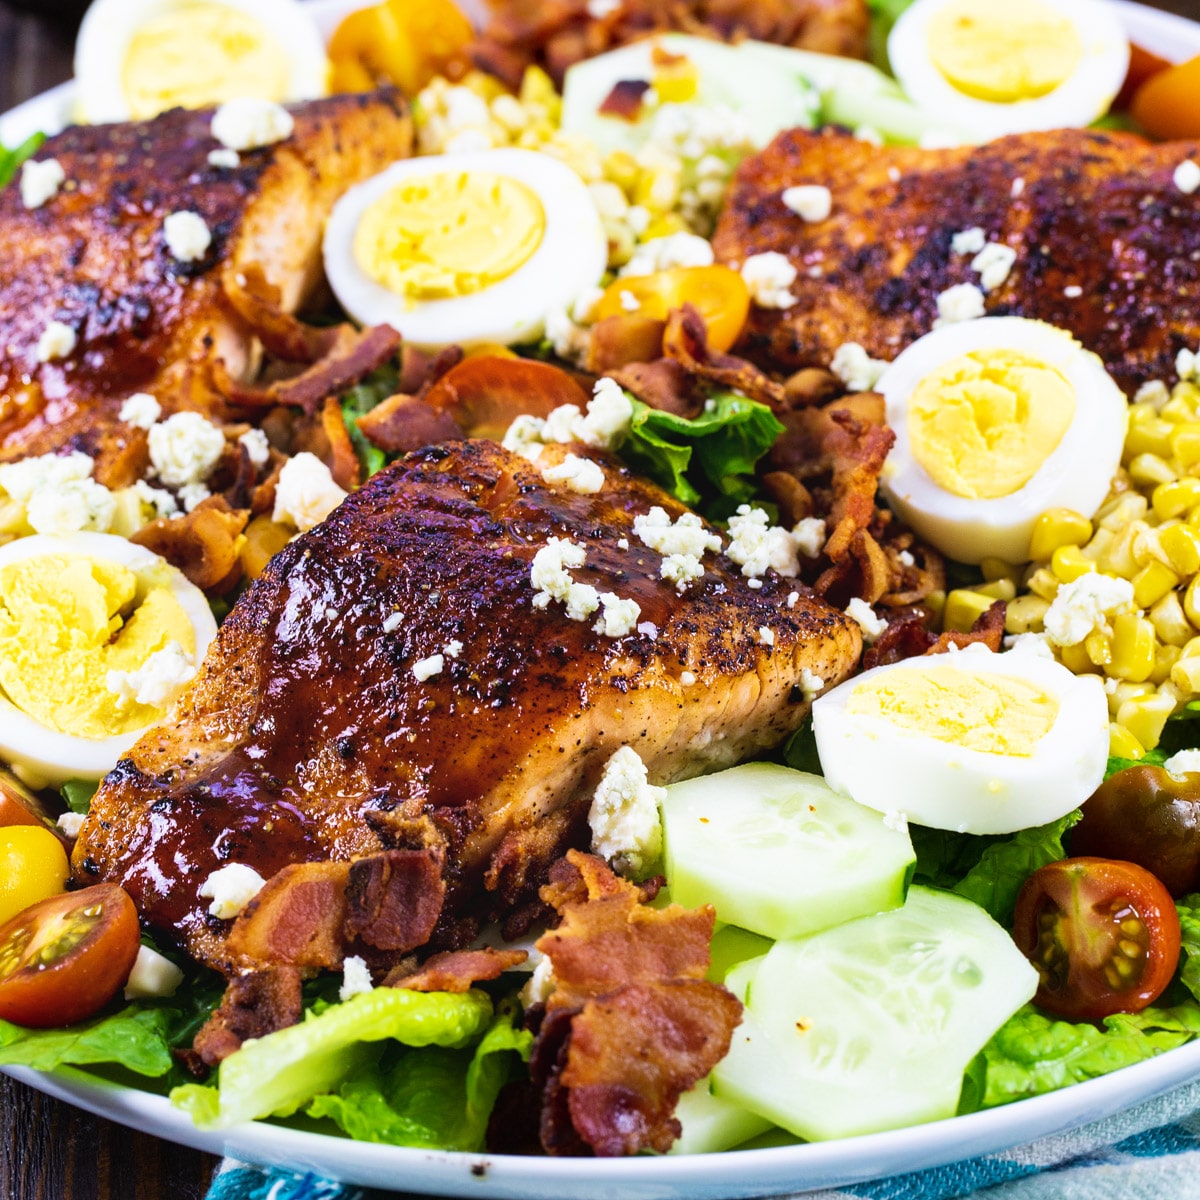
[359,401]
[11,160]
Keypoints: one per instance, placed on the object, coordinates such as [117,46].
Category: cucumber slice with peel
[871,1025]
[711,1124]
[780,853]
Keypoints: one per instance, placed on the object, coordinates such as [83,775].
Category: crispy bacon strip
[456,970]
[203,544]
[686,341]
[907,636]
[393,899]
[632,1023]
[254,1005]
[627,338]
[625,99]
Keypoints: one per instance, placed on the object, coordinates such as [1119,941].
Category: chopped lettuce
[11,160]
[1189,930]
[278,1074]
[709,458]
[359,401]
[434,1098]
[78,794]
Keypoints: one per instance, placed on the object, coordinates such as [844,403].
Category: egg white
[1076,474]
[571,257]
[945,786]
[1085,95]
[44,755]
[110,25]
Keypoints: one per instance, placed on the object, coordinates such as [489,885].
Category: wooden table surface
[48,1150]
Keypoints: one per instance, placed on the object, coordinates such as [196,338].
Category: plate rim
[739,1173]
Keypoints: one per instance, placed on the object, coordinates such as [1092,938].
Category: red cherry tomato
[64,959]
[1103,935]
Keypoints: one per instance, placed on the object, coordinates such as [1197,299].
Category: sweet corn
[1043,583]
[1185,444]
[1117,513]
[1119,558]
[1057,527]
[1181,545]
[1151,469]
[1075,659]
[1147,435]
[1098,647]
[935,602]
[1122,743]
[1170,499]
[1100,544]
[963,608]
[1185,674]
[1145,716]
[1152,583]
[998,589]
[1068,563]
[1177,410]
[1165,658]
[997,568]
[1191,602]
[1133,647]
[1170,622]
[1124,692]
[622,168]
[1025,614]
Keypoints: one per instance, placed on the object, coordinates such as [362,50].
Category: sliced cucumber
[711,1124]
[780,853]
[730,946]
[871,1025]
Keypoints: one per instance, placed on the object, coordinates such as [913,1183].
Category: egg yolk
[195,55]
[65,622]
[447,235]
[1003,52]
[982,424]
[994,714]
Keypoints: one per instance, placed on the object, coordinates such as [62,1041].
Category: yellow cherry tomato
[718,293]
[33,867]
[407,42]
[1167,105]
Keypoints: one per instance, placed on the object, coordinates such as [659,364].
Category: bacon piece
[907,636]
[297,919]
[625,339]
[664,384]
[625,99]
[404,423]
[254,1004]
[393,899]
[456,970]
[859,450]
[686,341]
[644,1024]
[203,544]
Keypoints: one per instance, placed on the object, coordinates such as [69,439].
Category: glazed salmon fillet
[1106,244]
[319,729]
[95,257]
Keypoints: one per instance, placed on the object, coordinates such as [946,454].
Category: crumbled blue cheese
[962,302]
[224,160]
[231,889]
[1187,365]
[810,202]
[159,499]
[1084,605]
[856,368]
[184,449]
[70,823]
[766,635]
[158,680]
[576,475]
[682,543]
[40,181]
[618,617]
[968,241]
[1187,177]
[1184,762]
[793,599]
[810,684]
[871,624]
[808,536]
[428,668]
[604,425]
[306,492]
[624,815]
[662,253]
[392,622]
[154,976]
[356,978]
[187,236]
[755,544]
[540,984]
[994,263]
[686,678]
[258,449]
[58,494]
[551,580]
[768,276]
[1155,392]
[247,123]
[141,410]
[1018,188]
[58,341]
[1072,291]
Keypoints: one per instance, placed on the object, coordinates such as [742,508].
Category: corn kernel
[1121,691]
[997,568]
[1185,444]
[935,602]
[1191,602]
[1185,675]
[1043,583]
[998,589]
[1170,499]
[1181,545]
[1145,716]
[1148,435]
[1169,621]
[963,608]
[1122,743]
[1147,470]
[1057,527]
[1152,583]
[1116,513]
[1133,647]
[1098,645]
[1119,559]
[1100,544]
[1068,563]
[622,169]
[663,225]
[1075,659]
[676,83]
[1177,410]
[1025,614]
[12,517]
[1165,658]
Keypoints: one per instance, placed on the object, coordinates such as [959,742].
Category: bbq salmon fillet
[1106,244]
[389,682]
[95,257]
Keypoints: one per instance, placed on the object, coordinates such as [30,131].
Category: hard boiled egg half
[996,421]
[97,635]
[992,67]
[972,741]
[137,58]
[465,248]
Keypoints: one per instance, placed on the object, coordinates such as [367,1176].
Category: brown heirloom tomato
[1103,935]
[64,959]
[1145,816]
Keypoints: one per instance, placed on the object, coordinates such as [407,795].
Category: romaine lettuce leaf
[709,458]
[11,160]
[359,401]
[1189,930]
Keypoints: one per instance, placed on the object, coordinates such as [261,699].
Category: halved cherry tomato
[719,294]
[1103,935]
[33,865]
[1167,105]
[64,959]
[18,805]
[1142,65]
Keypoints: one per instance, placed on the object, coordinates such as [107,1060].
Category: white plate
[701,1177]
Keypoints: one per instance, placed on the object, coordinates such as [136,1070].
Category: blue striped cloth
[1149,1152]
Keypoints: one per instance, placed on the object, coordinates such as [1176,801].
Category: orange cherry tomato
[64,959]
[718,293]
[406,42]
[1167,105]
[1142,65]
[18,805]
